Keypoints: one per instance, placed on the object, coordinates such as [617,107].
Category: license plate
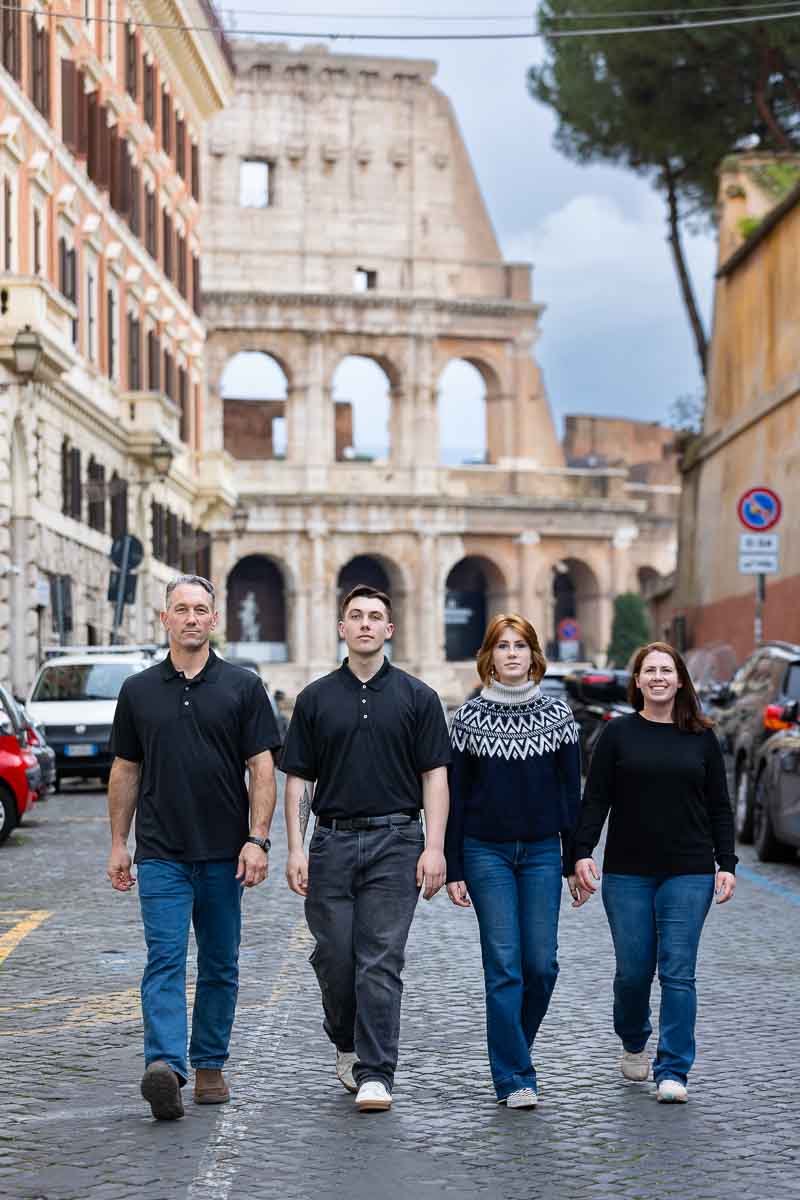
[80,750]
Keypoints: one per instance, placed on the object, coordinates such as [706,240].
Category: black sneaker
[161,1089]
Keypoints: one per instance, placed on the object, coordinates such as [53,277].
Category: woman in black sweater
[514,795]
[670,849]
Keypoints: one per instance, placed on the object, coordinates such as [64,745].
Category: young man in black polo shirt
[373,741]
[184,731]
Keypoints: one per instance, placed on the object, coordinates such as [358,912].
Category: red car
[20,775]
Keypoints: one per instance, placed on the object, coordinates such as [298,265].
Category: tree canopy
[630,628]
[670,105]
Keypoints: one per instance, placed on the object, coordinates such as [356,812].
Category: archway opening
[256,611]
[254,390]
[473,591]
[384,576]
[463,416]
[362,411]
[575,634]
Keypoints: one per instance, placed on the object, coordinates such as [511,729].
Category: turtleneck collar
[517,693]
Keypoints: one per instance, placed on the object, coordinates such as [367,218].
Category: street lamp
[27,349]
[162,456]
[240,518]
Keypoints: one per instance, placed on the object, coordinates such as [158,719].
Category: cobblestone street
[74,1125]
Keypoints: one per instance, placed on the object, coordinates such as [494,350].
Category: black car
[776,798]
[45,754]
[745,712]
[593,695]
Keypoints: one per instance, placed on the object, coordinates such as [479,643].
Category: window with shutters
[122,180]
[68,279]
[91,315]
[135,212]
[131,63]
[112,336]
[38,240]
[195,171]
[183,281]
[134,354]
[8,224]
[71,484]
[40,67]
[197,302]
[169,375]
[153,361]
[149,94]
[96,495]
[166,121]
[167,245]
[188,549]
[183,404]
[180,147]
[81,117]
[151,224]
[10,37]
[173,540]
[118,493]
[69,104]
[203,557]
[158,525]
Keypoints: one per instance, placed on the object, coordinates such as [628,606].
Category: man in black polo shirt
[184,731]
[373,742]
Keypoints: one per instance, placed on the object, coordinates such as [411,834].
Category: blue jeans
[173,896]
[657,921]
[516,891]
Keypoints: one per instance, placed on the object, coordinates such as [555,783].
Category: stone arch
[475,588]
[254,389]
[462,409]
[362,395]
[256,609]
[574,595]
[378,571]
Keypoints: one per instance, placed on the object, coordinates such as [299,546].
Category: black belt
[350,823]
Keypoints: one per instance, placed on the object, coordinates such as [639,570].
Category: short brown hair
[369,593]
[492,637]
[686,713]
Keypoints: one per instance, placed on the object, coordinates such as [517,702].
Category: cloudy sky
[615,338]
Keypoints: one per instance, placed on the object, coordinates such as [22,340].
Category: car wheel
[768,848]
[8,813]
[743,812]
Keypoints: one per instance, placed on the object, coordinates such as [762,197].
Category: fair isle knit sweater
[516,772]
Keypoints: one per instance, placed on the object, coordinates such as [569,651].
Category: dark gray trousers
[362,892]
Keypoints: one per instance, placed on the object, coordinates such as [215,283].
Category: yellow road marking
[12,938]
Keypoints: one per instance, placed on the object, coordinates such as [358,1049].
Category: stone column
[322,597]
[319,417]
[501,434]
[297,425]
[529,602]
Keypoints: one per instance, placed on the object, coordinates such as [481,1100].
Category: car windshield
[83,681]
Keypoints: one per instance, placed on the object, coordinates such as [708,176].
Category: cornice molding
[503,309]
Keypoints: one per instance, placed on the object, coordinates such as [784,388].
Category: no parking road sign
[569,630]
[759,509]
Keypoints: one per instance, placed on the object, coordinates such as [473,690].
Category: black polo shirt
[193,737]
[366,744]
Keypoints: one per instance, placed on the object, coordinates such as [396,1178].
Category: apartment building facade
[102,378]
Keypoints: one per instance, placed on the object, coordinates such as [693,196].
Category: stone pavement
[75,1128]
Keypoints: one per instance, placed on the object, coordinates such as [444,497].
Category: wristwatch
[264,843]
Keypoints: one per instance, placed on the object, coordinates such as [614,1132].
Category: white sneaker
[524,1098]
[373,1097]
[635,1066]
[345,1061]
[670,1091]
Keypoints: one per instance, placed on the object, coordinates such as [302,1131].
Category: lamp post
[162,456]
[27,347]
[240,517]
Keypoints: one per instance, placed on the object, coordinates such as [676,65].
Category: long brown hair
[492,637]
[686,713]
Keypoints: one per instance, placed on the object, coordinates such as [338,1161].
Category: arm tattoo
[304,810]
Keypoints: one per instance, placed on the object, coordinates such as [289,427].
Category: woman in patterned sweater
[514,798]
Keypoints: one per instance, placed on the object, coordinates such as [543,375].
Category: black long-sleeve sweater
[515,774]
[668,797]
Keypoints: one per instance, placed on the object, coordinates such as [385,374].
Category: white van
[75,696]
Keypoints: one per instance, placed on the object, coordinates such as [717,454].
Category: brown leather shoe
[210,1087]
[161,1089]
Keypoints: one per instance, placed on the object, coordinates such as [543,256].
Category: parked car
[776,795]
[20,775]
[594,695]
[747,711]
[74,697]
[44,753]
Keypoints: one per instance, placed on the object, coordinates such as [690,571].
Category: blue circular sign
[759,509]
[568,630]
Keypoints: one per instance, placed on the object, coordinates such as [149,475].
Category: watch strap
[264,843]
